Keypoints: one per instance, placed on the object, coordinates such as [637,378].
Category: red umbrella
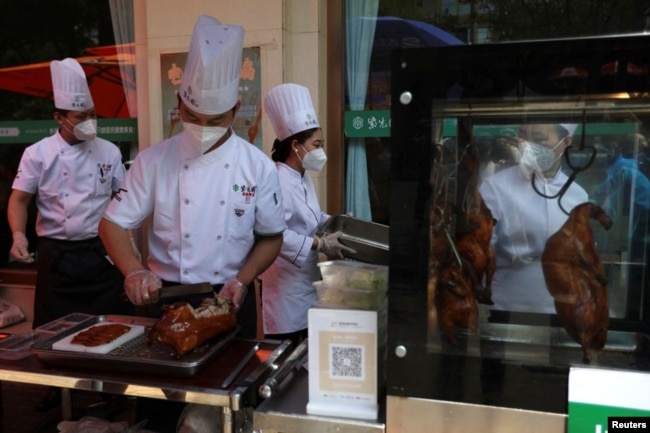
[105,79]
[570,72]
[612,68]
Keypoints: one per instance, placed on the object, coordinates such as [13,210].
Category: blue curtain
[123,30]
[359,36]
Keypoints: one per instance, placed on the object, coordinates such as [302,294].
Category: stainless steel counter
[205,387]
[286,412]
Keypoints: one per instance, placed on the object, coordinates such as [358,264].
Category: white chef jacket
[72,183]
[206,209]
[287,292]
[525,220]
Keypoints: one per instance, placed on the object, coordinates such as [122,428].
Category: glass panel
[519,218]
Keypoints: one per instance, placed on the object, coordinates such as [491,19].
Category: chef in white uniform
[525,219]
[214,200]
[287,290]
[72,174]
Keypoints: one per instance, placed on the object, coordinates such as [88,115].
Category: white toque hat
[290,110]
[211,77]
[70,86]
[571,127]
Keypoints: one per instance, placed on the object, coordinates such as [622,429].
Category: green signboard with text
[33,130]
[377,123]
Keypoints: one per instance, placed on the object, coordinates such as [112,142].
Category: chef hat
[211,77]
[571,127]
[290,110]
[70,86]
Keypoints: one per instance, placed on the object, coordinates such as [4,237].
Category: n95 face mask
[204,137]
[86,130]
[314,160]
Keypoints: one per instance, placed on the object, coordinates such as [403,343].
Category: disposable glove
[142,287]
[136,251]
[331,247]
[235,291]
[19,250]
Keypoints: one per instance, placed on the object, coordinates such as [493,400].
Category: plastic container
[330,295]
[18,346]
[354,275]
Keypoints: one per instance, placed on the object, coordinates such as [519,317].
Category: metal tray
[369,240]
[135,356]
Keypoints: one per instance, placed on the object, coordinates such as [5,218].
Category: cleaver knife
[184,290]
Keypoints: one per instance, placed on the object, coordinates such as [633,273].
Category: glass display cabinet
[519,237]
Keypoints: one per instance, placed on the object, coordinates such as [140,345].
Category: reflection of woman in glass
[525,219]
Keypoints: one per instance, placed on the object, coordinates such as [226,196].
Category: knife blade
[184,290]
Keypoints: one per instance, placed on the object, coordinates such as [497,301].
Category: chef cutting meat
[526,219]
[288,292]
[214,200]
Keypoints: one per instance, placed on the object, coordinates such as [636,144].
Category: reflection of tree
[517,20]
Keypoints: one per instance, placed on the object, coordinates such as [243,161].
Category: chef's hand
[142,287]
[235,291]
[19,250]
[331,247]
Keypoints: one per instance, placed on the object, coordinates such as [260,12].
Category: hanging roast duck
[575,277]
[474,229]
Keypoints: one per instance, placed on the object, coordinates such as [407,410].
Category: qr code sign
[346,361]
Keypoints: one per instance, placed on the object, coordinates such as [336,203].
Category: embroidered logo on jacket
[104,171]
[247,192]
[239,212]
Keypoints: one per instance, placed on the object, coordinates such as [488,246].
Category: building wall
[290,34]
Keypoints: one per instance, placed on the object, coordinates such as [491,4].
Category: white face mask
[314,160]
[537,158]
[204,137]
[86,130]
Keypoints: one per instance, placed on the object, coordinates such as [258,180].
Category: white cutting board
[65,343]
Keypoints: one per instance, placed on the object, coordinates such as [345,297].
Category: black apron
[76,277]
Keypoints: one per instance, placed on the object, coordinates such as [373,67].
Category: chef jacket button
[186,167]
[226,166]
[187,235]
[218,237]
[66,194]
[65,173]
[187,201]
[215,273]
[222,202]
[185,272]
